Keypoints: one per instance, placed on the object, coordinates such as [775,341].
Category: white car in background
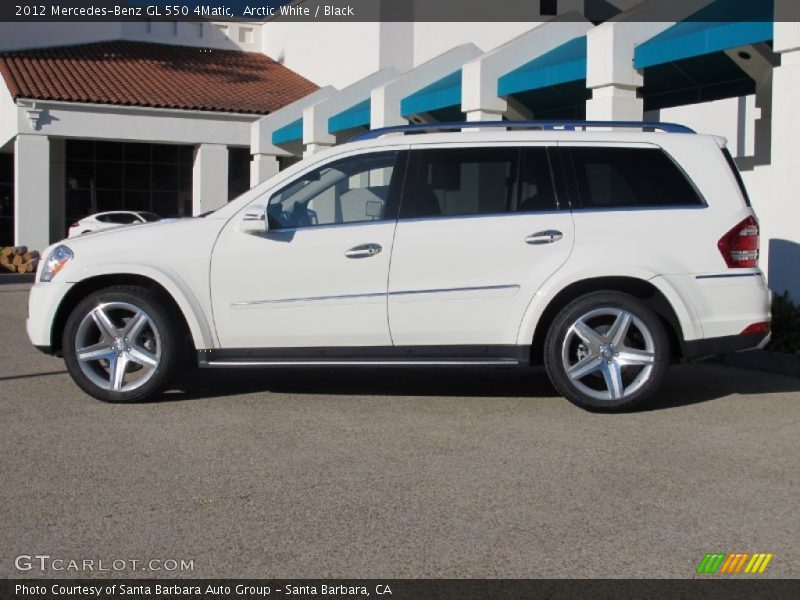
[107,220]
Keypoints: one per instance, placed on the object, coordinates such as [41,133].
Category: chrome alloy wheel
[118,346]
[608,353]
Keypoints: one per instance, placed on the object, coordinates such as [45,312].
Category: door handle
[363,251]
[544,237]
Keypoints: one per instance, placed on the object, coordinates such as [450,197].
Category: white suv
[603,253]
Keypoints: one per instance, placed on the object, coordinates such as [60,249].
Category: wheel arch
[541,314]
[182,301]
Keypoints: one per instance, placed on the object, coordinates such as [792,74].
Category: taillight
[761,327]
[739,246]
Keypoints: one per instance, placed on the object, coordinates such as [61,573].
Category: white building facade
[737,79]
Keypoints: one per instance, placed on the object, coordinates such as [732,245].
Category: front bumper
[43,302]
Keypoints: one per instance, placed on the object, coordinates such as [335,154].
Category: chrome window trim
[244,303]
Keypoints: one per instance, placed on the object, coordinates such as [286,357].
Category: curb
[764,360]
[9,278]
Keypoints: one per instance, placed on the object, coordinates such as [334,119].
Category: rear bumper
[724,345]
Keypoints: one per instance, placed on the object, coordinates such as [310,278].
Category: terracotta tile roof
[155,75]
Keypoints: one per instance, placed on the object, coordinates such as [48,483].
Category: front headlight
[56,260]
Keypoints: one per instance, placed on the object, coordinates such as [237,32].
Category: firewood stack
[17,259]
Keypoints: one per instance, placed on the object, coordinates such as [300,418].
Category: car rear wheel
[607,351]
[121,344]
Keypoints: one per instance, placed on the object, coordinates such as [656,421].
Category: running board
[391,356]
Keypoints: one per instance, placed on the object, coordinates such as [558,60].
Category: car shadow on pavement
[357,381]
[685,385]
[695,383]
[32,375]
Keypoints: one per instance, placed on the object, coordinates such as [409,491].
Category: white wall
[241,36]
[732,118]
[336,54]
[18,36]
[235,36]
[432,39]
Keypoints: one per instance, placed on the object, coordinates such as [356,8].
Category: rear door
[480,230]
[635,209]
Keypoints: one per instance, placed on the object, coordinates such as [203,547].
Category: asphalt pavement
[392,473]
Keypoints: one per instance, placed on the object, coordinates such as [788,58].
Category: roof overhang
[703,33]
[55,118]
[274,135]
[527,62]
[346,109]
[704,57]
[431,86]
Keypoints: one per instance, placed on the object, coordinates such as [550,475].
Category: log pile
[17,259]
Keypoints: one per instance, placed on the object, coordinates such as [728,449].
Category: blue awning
[444,93]
[746,22]
[355,116]
[288,133]
[564,64]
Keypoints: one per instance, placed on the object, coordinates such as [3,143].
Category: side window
[630,177]
[461,181]
[536,192]
[350,190]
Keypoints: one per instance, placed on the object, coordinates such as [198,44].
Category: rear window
[737,175]
[118,218]
[630,178]
[149,217]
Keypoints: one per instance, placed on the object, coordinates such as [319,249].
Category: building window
[103,176]
[238,171]
[548,8]
[6,199]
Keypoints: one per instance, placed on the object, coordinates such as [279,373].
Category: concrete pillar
[484,115]
[758,61]
[32,191]
[614,103]
[479,99]
[610,73]
[315,147]
[781,213]
[262,167]
[209,178]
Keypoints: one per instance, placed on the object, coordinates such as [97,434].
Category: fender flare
[684,311]
[169,279]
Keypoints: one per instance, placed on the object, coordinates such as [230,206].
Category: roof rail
[541,125]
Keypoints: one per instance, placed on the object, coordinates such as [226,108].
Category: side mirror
[254,220]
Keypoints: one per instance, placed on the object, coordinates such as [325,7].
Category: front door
[480,231]
[317,278]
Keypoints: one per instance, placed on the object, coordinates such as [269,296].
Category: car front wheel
[607,351]
[121,344]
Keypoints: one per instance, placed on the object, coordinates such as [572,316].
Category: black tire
[626,373]
[164,331]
